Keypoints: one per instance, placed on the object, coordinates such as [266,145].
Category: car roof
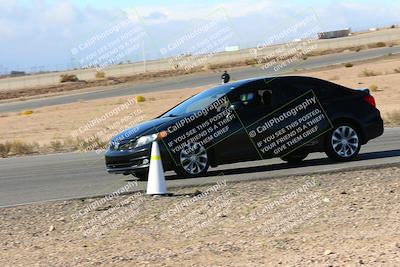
[237,84]
[252,80]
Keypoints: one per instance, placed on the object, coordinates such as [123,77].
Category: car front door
[249,104]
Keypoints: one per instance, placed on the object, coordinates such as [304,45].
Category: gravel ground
[338,219]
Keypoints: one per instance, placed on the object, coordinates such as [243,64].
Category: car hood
[145,128]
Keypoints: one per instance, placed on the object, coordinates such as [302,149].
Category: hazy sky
[43,33]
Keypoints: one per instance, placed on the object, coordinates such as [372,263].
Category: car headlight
[134,143]
[144,140]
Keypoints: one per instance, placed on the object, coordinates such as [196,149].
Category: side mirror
[236,106]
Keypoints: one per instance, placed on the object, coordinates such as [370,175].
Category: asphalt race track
[72,175]
[195,80]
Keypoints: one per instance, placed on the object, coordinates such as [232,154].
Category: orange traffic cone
[156,184]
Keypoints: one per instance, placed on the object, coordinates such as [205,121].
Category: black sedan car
[286,116]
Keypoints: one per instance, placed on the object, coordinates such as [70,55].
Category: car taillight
[370,99]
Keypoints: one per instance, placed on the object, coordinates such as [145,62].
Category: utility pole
[144,57]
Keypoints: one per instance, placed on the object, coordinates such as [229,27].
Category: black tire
[343,143]
[142,175]
[295,157]
[194,161]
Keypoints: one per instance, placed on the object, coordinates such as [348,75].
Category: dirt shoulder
[338,219]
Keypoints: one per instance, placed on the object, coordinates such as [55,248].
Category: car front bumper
[127,161]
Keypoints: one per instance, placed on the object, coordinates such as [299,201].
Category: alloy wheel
[345,141]
[194,158]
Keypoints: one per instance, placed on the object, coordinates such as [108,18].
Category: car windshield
[199,101]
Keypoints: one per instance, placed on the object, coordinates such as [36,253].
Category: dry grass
[56,145]
[100,75]
[369,73]
[5,149]
[373,88]
[19,147]
[381,44]
[68,78]
[16,147]
[140,98]
[377,45]
[26,112]
[392,118]
[206,67]
[251,61]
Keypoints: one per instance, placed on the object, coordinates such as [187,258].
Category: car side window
[250,99]
[260,95]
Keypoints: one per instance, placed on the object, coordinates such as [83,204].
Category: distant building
[232,48]
[334,34]
[15,73]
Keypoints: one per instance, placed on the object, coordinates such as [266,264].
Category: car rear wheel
[295,157]
[343,143]
[194,161]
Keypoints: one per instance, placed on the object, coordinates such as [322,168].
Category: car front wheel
[141,175]
[194,161]
[343,143]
